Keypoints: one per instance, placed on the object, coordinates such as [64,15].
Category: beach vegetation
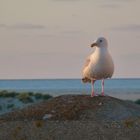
[31,93]
[0,107]
[38,96]
[10,106]
[39,123]
[137,101]
[129,123]
[42,96]
[25,98]
[46,96]
[5,94]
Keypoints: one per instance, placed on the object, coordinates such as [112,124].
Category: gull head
[100,42]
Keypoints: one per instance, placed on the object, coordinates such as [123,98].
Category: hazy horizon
[50,39]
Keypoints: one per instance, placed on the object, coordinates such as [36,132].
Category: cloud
[22,26]
[27,26]
[128,27]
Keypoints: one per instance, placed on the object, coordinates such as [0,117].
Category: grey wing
[87,62]
[85,79]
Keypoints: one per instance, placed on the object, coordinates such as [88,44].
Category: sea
[127,89]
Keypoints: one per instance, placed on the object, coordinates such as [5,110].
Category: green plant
[25,98]
[38,95]
[137,101]
[46,96]
[5,94]
[0,107]
[31,93]
[129,123]
[10,106]
[39,123]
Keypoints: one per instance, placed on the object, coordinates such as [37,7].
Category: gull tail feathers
[86,80]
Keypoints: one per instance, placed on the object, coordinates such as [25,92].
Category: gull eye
[101,40]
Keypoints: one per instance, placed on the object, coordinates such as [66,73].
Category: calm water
[120,88]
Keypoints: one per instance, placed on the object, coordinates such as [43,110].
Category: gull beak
[94,44]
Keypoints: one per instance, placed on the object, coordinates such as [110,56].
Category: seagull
[99,65]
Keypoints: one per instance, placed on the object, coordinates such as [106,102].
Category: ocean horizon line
[122,78]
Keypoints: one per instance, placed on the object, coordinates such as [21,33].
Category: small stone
[100,104]
[47,116]
[53,111]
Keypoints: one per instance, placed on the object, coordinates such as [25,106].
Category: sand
[73,117]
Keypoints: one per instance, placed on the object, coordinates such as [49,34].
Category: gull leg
[92,87]
[103,87]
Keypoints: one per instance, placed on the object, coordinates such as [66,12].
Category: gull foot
[94,95]
[102,94]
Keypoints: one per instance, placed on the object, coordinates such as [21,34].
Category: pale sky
[51,38]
